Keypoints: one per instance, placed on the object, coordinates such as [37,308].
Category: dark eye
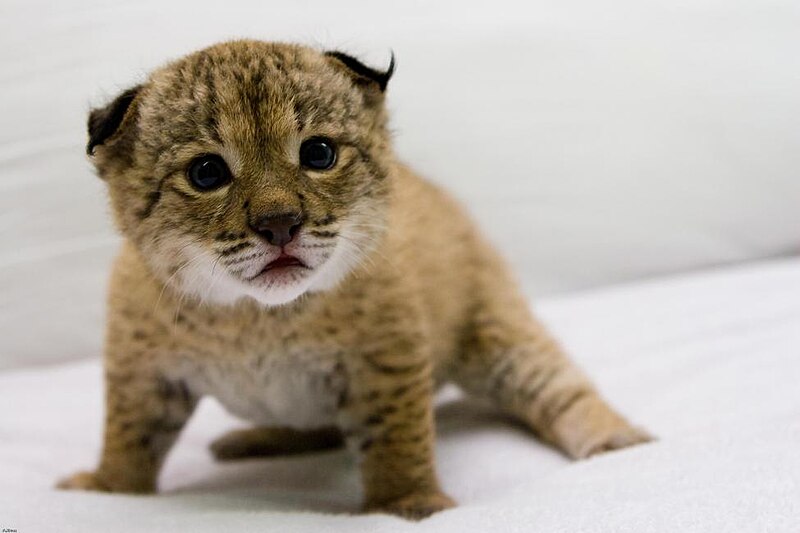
[318,153]
[208,172]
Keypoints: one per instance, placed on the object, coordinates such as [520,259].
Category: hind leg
[533,380]
[511,359]
[269,441]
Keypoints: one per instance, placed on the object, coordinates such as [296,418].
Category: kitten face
[209,181]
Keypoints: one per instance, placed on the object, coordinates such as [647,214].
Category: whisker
[213,282]
[169,280]
[359,256]
[372,250]
[214,266]
[201,256]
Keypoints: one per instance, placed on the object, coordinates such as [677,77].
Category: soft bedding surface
[708,362]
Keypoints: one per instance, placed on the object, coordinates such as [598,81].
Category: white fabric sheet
[708,362]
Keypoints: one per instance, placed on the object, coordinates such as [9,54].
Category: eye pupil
[318,153]
[208,172]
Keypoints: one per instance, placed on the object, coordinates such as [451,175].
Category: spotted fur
[398,295]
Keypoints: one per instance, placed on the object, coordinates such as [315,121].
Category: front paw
[95,482]
[83,481]
[414,506]
[592,428]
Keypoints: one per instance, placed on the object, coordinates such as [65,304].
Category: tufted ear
[104,122]
[361,73]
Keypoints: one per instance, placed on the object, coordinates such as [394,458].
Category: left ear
[105,122]
[361,73]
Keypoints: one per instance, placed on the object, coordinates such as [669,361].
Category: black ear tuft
[363,71]
[105,121]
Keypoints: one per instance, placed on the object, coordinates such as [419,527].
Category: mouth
[284,262]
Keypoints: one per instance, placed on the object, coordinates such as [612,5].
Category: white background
[594,142]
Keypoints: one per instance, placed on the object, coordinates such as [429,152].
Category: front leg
[391,409]
[144,414]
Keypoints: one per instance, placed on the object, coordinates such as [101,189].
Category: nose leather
[278,229]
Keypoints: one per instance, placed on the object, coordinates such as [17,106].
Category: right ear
[104,122]
[362,74]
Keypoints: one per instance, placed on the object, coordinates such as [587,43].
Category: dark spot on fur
[562,407]
[393,368]
[388,409]
[374,420]
[372,395]
[235,248]
[400,391]
[227,236]
[323,234]
[152,198]
[327,219]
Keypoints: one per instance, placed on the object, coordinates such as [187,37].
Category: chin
[278,296]
[271,288]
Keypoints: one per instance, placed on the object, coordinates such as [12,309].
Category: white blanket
[709,362]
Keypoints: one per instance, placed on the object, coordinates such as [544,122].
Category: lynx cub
[279,258]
